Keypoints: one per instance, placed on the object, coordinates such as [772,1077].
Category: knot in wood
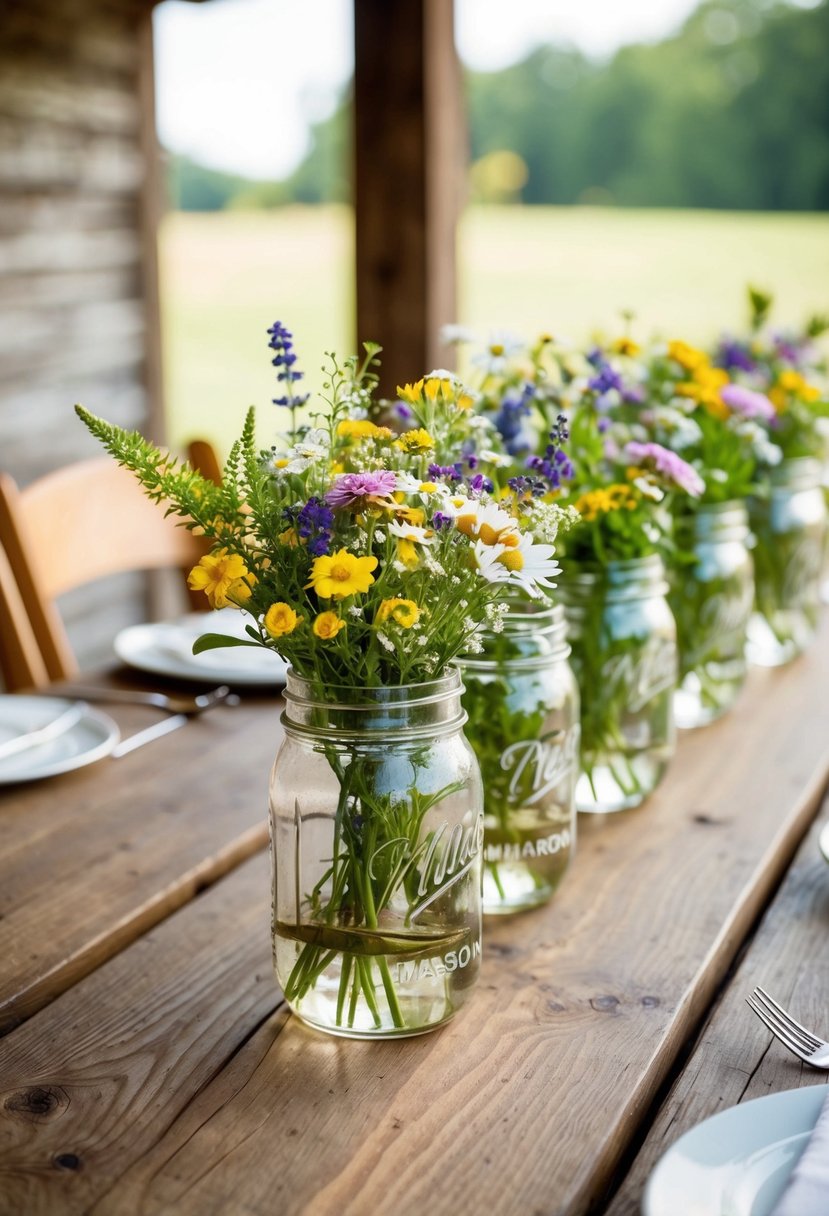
[68,1161]
[38,1103]
[604,1004]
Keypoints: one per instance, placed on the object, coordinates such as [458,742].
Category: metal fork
[800,1041]
[173,703]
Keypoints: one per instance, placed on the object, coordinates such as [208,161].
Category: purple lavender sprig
[555,465]
[282,344]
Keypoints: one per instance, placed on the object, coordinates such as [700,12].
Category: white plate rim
[109,728]
[823,841]
[133,646]
[803,1103]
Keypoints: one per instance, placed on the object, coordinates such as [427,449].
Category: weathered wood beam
[409,151]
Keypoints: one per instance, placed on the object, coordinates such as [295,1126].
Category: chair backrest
[69,528]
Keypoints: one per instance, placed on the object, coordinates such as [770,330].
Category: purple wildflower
[402,410]
[668,465]
[734,356]
[355,490]
[445,472]
[480,484]
[555,465]
[508,420]
[441,521]
[606,379]
[746,402]
[282,343]
[532,486]
[314,523]
[603,424]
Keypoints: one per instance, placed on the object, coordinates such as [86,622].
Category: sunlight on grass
[568,270]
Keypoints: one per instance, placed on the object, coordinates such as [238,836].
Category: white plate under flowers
[90,738]
[736,1163]
[166,648]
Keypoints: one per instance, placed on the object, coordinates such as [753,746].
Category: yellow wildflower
[704,386]
[415,441]
[791,384]
[362,428]
[404,612]
[411,392]
[407,553]
[223,577]
[465,401]
[687,356]
[626,346]
[280,619]
[328,625]
[289,537]
[410,515]
[434,386]
[341,574]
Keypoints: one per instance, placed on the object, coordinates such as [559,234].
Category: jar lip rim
[716,508]
[355,694]
[650,561]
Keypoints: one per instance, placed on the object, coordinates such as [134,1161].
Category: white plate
[823,842]
[93,736]
[166,648]
[736,1163]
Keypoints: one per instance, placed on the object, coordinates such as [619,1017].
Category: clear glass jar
[711,599]
[789,523]
[376,815]
[523,707]
[624,655]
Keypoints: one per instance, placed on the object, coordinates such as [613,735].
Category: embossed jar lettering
[523,724]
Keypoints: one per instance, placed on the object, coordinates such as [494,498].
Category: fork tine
[776,1020]
[787,1017]
[779,1035]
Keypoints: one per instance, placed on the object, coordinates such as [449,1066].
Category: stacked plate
[166,648]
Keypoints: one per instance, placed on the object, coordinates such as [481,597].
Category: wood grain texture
[91,860]
[91,1083]
[736,1058]
[530,1099]
[408,168]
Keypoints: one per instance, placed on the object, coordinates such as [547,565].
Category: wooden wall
[78,307]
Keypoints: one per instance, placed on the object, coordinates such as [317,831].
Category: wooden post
[409,145]
[151,208]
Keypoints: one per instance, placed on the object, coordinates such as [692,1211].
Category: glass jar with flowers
[693,409]
[787,507]
[350,563]
[614,591]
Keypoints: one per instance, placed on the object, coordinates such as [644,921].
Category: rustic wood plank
[736,1059]
[530,1099]
[90,860]
[90,1084]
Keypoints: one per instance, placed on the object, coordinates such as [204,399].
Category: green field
[567,270]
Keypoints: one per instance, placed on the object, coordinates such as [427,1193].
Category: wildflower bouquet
[787,512]
[620,627]
[368,574]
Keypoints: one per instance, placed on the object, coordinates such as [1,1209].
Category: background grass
[567,270]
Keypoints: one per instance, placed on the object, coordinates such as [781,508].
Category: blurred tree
[731,112]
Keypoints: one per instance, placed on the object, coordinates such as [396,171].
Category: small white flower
[412,532]
[648,490]
[451,334]
[499,459]
[495,357]
[384,641]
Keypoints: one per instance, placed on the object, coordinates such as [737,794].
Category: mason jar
[376,818]
[711,599]
[523,707]
[789,521]
[624,656]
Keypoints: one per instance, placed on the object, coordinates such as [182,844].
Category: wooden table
[149,1064]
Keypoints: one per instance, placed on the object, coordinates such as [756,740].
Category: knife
[44,734]
[147,736]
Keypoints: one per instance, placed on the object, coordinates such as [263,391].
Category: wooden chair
[72,526]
